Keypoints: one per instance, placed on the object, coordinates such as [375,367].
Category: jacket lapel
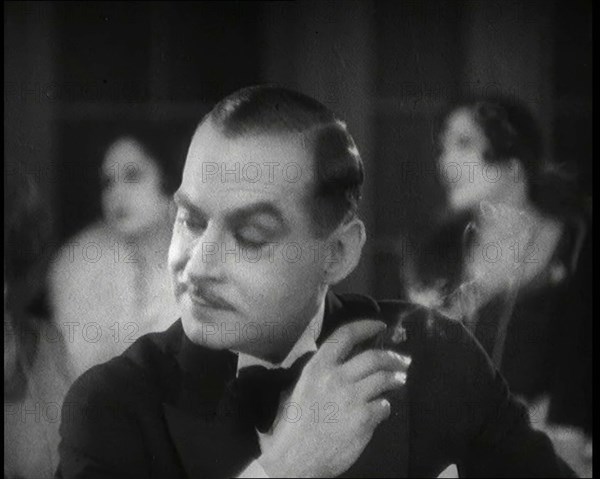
[210,447]
[211,440]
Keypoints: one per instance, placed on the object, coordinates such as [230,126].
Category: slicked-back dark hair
[337,167]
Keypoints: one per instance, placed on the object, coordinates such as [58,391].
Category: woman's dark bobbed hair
[512,132]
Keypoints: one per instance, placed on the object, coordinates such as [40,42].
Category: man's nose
[206,259]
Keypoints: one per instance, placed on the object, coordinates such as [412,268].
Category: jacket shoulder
[137,371]
[444,352]
[421,322]
[152,349]
[413,328]
[422,325]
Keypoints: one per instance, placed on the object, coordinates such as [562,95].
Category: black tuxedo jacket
[153,412]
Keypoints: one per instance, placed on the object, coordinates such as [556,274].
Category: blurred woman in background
[109,284]
[36,376]
[514,258]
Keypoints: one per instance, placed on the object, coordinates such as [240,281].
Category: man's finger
[342,341]
[379,410]
[373,360]
[381,382]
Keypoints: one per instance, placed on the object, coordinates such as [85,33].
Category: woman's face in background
[132,197]
[468,177]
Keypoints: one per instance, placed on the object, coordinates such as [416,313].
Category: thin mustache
[208,296]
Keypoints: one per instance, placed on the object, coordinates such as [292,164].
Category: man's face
[246,266]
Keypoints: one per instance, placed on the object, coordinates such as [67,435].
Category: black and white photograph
[337,238]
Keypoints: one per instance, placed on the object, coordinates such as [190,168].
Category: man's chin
[213,331]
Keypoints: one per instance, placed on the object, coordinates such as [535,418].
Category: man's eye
[246,243]
[190,223]
[251,238]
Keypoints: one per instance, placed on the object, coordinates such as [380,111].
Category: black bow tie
[254,395]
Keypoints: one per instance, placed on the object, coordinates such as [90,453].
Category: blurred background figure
[109,284]
[513,259]
[36,377]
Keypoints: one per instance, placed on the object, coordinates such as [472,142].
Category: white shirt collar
[307,342]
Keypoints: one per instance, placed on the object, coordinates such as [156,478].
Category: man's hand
[314,443]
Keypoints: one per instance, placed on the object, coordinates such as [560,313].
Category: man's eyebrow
[263,207]
[260,208]
[183,200]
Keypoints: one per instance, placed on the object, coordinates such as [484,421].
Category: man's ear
[343,250]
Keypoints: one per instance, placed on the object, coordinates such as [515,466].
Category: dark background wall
[76,72]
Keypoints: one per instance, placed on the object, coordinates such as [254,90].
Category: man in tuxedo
[268,373]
